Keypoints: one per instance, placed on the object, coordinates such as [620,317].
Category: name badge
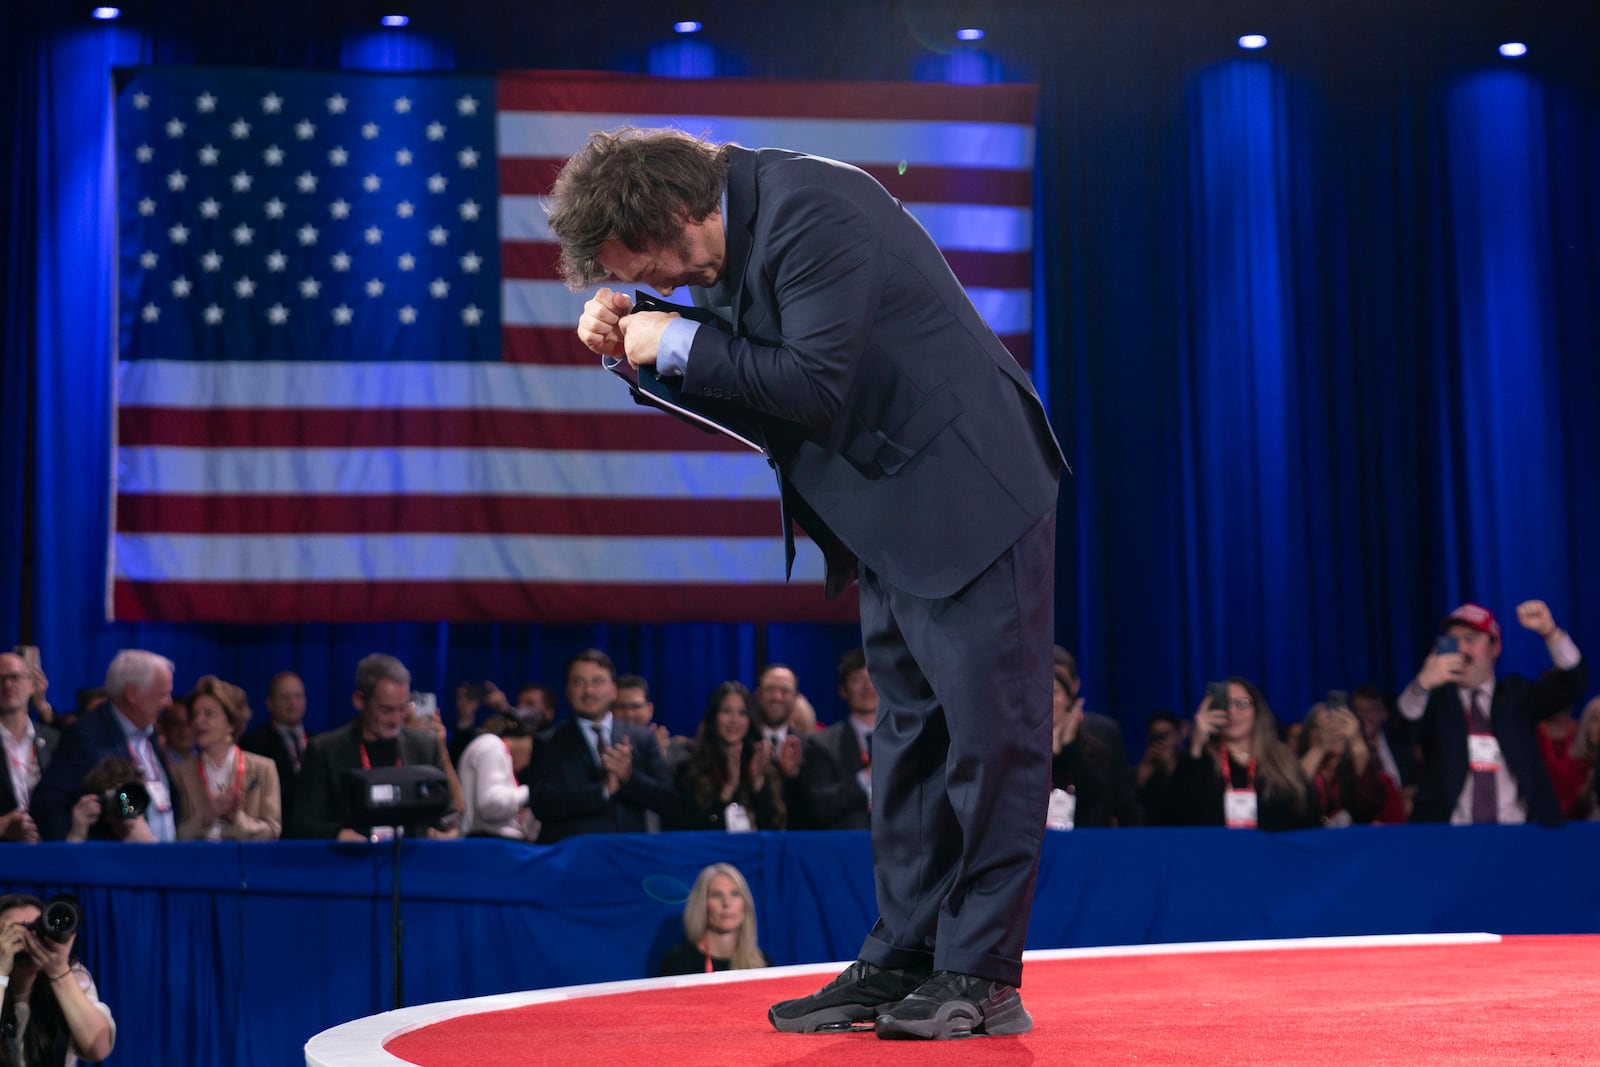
[736,819]
[381,833]
[1483,752]
[1063,811]
[1239,808]
[159,797]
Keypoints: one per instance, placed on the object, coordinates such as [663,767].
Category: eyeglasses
[389,709]
[18,678]
[1242,703]
[1155,737]
[630,705]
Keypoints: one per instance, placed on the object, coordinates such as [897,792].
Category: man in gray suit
[913,449]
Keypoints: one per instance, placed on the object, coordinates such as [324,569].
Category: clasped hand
[610,327]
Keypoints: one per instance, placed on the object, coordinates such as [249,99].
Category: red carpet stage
[1403,1000]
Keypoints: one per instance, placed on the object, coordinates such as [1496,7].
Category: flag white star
[408,315]
[274,208]
[213,314]
[467,105]
[277,314]
[373,235]
[245,287]
[369,130]
[147,206]
[211,262]
[241,182]
[375,287]
[205,102]
[242,234]
[339,209]
[471,262]
[181,286]
[305,129]
[439,288]
[403,157]
[306,183]
[150,313]
[341,315]
[273,155]
[141,100]
[438,235]
[208,156]
[467,157]
[240,129]
[175,127]
[471,314]
[337,104]
[210,208]
[276,261]
[177,181]
[307,234]
[404,209]
[435,131]
[407,261]
[179,234]
[436,183]
[310,288]
[149,260]
[371,183]
[272,103]
[341,261]
[338,156]
[144,153]
[402,105]
[469,210]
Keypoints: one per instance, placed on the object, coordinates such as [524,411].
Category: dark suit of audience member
[267,740]
[569,795]
[95,736]
[45,741]
[1086,768]
[322,794]
[830,783]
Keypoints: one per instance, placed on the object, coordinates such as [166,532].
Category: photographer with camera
[50,1012]
[112,807]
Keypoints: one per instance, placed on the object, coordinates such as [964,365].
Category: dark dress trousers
[1514,719]
[567,794]
[913,449]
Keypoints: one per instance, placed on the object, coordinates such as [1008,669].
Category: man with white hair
[138,687]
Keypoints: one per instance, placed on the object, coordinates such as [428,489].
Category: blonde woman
[228,793]
[719,924]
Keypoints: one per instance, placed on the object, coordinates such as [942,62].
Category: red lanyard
[150,774]
[366,763]
[1227,772]
[706,952]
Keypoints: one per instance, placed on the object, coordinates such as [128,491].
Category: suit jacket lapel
[737,227]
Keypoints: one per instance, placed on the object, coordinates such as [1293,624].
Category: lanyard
[150,774]
[237,789]
[706,952]
[1227,771]
[366,763]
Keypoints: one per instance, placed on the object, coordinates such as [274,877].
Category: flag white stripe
[444,471]
[469,557]
[471,385]
[885,142]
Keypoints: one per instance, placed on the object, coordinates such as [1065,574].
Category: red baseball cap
[1476,616]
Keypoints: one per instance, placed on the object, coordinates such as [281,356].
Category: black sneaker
[858,995]
[950,1004]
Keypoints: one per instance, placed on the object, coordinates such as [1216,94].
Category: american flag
[349,386]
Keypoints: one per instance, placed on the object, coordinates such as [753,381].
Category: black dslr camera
[59,920]
[126,801]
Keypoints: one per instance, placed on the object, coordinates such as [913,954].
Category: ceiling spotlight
[969,33]
[1513,49]
[1253,40]
[107,12]
[396,21]
[687,26]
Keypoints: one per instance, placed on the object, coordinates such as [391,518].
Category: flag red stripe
[441,514]
[583,91]
[645,431]
[252,602]
[555,346]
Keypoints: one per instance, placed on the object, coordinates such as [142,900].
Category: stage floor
[1403,1000]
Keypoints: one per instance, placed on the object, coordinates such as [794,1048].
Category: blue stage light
[396,21]
[1253,40]
[687,26]
[107,12]
[969,33]
[1513,49]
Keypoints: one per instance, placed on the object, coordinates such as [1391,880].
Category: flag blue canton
[277,215]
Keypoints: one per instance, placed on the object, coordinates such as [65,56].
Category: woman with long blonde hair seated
[719,924]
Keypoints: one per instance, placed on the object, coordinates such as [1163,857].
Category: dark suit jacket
[1514,716]
[322,798]
[45,739]
[567,791]
[265,741]
[95,736]
[834,799]
[886,390]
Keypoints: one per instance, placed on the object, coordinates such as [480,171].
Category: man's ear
[357,701]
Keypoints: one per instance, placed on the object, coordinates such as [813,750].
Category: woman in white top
[50,1011]
[496,806]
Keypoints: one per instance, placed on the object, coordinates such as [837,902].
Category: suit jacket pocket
[877,452]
